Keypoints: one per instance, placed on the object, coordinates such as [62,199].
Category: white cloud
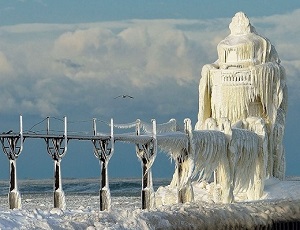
[5,66]
[57,68]
[73,44]
[142,53]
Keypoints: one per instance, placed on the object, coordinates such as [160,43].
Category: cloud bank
[64,69]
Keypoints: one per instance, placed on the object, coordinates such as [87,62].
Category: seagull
[124,96]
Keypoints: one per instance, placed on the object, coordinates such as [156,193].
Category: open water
[78,192]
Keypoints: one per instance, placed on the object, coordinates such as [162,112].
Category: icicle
[125,126]
[167,127]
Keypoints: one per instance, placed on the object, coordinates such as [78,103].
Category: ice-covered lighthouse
[244,95]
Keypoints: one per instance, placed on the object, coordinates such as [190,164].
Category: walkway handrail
[146,145]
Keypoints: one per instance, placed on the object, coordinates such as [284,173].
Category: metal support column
[185,189]
[57,148]
[146,153]
[103,150]
[12,145]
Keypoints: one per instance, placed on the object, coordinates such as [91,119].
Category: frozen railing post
[185,189]
[103,150]
[57,148]
[12,145]
[147,153]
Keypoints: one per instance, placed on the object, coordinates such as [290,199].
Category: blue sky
[73,57]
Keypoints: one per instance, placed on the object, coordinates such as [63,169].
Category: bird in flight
[124,96]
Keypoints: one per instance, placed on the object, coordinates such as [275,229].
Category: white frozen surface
[281,201]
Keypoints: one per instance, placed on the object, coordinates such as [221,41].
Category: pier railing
[146,138]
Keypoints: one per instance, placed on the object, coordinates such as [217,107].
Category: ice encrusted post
[147,153]
[14,197]
[57,148]
[59,197]
[12,145]
[103,152]
[185,189]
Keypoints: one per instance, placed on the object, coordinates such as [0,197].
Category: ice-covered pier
[146,137]
[198,154]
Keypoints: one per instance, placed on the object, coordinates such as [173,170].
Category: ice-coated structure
[243,95]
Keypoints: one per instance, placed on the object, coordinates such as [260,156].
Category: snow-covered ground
[281,201]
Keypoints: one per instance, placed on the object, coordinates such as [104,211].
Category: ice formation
[242,109]
[170,138]
[280,206]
